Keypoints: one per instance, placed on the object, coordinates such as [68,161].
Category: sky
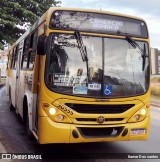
[149,10]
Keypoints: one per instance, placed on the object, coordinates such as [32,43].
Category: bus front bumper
[52,132]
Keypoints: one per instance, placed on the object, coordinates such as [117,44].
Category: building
[154,61]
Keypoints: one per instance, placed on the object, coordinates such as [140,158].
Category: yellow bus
[82,75]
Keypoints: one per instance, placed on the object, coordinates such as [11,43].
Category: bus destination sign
[98,22]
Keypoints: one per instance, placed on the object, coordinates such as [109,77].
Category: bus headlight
[143,111]
[52,111]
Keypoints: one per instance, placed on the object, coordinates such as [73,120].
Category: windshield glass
[123,73]
[114,67]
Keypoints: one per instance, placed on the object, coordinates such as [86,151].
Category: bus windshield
[114,67]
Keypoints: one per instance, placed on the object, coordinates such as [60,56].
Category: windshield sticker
[80,90]
[67,80]
[61,80]
[94,86]
[107,90]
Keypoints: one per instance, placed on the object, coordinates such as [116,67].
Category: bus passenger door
[18,78]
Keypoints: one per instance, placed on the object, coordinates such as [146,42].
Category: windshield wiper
[82,49]
[144,55]
[136,45]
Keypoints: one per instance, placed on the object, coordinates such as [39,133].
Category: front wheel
[29,133]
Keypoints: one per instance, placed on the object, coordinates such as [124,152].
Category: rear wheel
[12,108]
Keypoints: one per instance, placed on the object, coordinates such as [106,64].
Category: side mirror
[41,46]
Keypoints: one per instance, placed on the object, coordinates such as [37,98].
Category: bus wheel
[29,133]
[12,108]
[26,118]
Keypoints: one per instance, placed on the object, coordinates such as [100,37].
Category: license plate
[138,132]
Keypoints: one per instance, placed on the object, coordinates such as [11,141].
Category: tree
[16,15]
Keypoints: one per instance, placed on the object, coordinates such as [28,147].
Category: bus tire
[26,119]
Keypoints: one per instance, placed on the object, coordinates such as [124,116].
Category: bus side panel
[30,97]
[20,92]
[12,85]
[19,80]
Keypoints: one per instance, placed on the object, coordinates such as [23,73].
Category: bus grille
[95,119]
[100,132]
[99,109]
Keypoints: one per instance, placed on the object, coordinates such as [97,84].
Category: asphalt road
[14,139]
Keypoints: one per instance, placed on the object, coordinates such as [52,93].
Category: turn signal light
[148,105]
[46,105]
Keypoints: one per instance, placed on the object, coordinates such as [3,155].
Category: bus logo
[100,119]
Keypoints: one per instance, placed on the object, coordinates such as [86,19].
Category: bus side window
[25,53]
[15,57]
[32,53]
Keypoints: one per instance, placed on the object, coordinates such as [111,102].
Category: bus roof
[94,11]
